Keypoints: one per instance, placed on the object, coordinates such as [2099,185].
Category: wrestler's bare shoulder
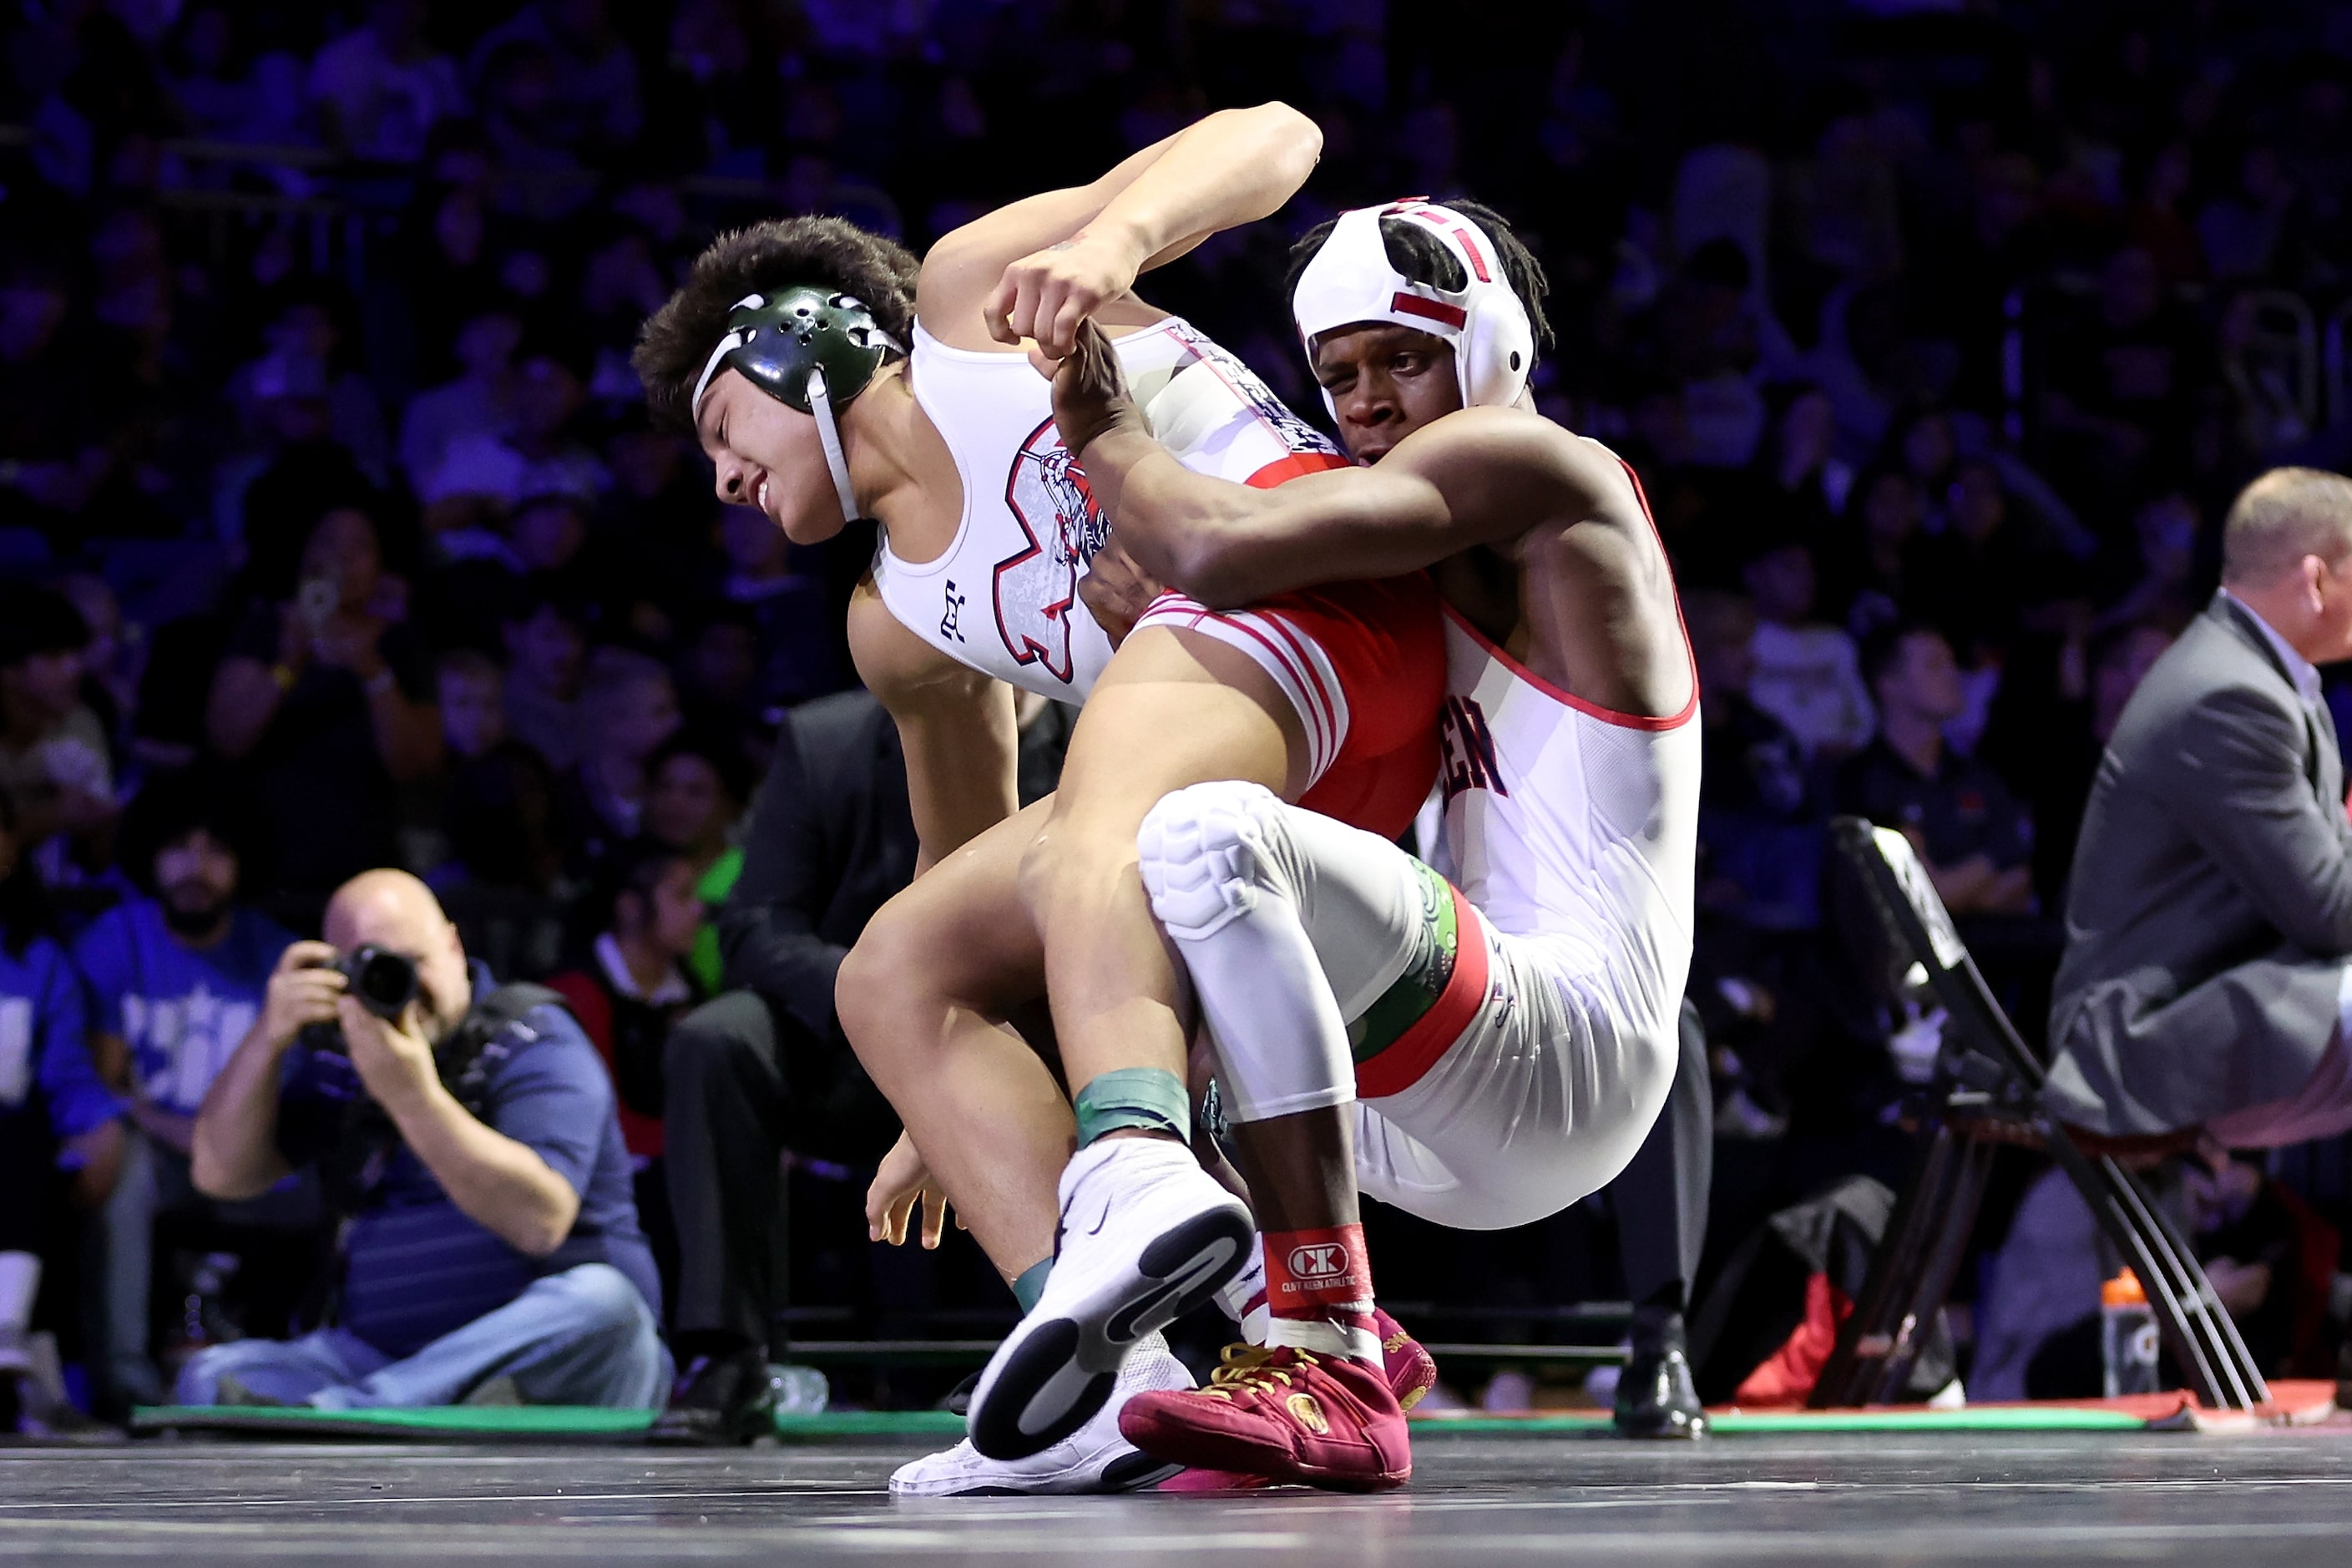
[1517,458]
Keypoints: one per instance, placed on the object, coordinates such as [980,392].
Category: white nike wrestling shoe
[1094,1459]
[1146,1235]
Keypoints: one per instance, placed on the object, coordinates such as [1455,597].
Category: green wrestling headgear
[808,349]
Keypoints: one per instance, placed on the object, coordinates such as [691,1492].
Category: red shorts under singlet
[1364,665]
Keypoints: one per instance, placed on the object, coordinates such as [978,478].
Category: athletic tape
[1148,1100]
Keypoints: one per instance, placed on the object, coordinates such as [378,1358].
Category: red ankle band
[1309,1273]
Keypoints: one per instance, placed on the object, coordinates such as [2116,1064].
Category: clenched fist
[1048,294]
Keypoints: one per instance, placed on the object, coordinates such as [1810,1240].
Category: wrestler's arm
[1037,266]
[955,726]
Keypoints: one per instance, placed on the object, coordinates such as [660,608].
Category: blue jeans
[581,1337]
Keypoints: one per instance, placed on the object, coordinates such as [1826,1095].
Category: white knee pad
[1206,853]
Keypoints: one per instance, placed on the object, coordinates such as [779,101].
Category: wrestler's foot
[1411,1371]
[1655,1394]
[1146,1235]
[1094,1459]
[1286,1414]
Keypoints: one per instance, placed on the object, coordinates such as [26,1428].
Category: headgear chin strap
[809,349]
[1351,280]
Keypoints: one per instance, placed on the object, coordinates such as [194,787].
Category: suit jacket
[2209,912]
[831,840]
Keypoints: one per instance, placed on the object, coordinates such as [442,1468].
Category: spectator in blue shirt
[50,1098]
[492,1251]
[175,978]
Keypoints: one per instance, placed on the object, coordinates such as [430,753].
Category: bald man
[492,1252]
[2207,986]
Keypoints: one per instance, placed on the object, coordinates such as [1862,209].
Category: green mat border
[492,1422]
[589,1423]
[1734,1424]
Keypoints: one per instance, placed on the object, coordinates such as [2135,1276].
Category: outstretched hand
[903,1182]
[1090,393]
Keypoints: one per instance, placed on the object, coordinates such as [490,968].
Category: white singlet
[1003,597]
[1531,1074]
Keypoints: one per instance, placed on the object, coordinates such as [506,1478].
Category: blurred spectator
[2162,589]
[536,454]
[1760,817]
[1805,467]
[627,708]
[1805,673]
[50,1093]
[380,89]
[1975,840]
[2056,769]
[501,819]
[1878,558]
[545,648]
[481,398]
[2124,380]
[594,76]
[697,785]
[472,693]
[764,1066]
[326,697]
[796,645]
[491,1248]
[54,757]
[175,978]
[635,986]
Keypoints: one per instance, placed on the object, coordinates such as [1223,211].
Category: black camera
[382,981]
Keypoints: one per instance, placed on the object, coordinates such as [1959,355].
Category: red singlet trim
[1416,1050]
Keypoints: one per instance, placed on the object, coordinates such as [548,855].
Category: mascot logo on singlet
[1037,588]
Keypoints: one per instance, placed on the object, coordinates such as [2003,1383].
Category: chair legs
[1909,1278]
[2196,1325]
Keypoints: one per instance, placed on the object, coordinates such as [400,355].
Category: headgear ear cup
[1351,280]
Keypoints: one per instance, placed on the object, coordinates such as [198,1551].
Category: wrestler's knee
[879,981]
[1208,851]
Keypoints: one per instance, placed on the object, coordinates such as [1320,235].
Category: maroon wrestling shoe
[1412,1370]
[1284,1414]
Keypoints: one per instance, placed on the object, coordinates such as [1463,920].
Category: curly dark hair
[782,253]
[1423,257]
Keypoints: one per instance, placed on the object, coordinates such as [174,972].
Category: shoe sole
[1672,1428]
[1128,1473]
[1054,1374]
[1272,1465]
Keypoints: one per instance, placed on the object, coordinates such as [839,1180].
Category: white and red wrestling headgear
[1351,280]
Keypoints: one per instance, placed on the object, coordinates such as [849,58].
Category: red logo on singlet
[1036,587]
[1469,749]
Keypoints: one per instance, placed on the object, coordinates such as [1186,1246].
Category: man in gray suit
[2208,976]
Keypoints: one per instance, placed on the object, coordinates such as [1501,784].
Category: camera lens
[382,981]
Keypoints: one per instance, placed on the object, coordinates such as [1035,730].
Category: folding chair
[1987,1092]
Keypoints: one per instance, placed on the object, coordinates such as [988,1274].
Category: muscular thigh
[1174,708]
[961,930]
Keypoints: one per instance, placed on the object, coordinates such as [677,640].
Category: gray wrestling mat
[1788,1497]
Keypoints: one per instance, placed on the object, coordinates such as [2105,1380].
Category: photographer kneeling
[466,1137]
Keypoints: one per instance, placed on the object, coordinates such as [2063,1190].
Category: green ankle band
[1031,1284]
[1150,1099]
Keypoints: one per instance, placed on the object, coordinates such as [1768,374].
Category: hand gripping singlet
[1003,599]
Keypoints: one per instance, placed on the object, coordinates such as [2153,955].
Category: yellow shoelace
[1244,1366]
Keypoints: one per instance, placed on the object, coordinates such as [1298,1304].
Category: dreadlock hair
[782,253]
[1421,257]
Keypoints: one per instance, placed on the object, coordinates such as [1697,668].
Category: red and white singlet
[1003,597]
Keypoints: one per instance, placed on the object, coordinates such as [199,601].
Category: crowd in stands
[334,535]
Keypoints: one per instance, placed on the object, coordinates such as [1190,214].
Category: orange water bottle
[2128,1336]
